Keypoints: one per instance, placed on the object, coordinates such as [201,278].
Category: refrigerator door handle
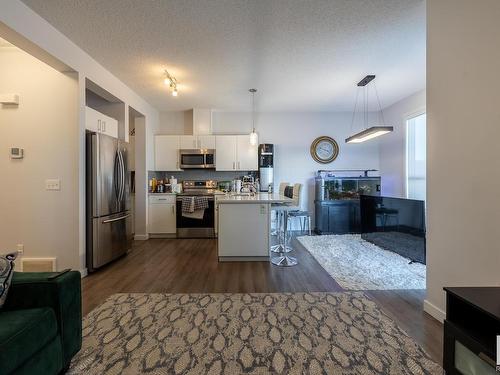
[122,175]
[117,219]
[96,176]
[117,175]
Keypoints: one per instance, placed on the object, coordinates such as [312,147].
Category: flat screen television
[395,224]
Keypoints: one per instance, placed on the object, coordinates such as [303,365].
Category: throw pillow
[6,272]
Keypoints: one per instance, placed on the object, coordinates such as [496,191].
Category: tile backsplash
[200,174]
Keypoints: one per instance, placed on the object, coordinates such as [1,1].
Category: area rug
[357,264]
[404,244]
[299,333]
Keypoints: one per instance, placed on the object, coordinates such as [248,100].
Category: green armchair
[41,323]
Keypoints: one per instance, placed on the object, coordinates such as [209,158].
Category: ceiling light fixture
[254,137]
[171,82]
[374,131]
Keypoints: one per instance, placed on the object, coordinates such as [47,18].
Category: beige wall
[393,145]
[46,125]
[463,129]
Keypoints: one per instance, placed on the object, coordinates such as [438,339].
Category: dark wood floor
[191,266]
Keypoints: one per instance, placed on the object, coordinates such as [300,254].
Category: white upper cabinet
[206,141]
[197,141]
[92,121]
[100,123]
[225,153]
[167,152]
[247,155]
[202,121]
[235,153]
[188,142]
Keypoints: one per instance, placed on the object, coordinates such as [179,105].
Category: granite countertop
[254,199]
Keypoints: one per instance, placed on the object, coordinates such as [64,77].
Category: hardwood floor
[191,266]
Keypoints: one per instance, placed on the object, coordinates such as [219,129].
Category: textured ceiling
[300,55]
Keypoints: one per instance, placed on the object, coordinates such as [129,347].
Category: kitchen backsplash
[199,174]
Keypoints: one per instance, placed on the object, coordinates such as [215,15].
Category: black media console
[470,330]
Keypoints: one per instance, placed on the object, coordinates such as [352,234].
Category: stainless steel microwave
[197,158]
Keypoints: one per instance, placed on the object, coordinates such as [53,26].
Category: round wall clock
[324,150]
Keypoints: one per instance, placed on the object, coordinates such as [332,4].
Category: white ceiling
[300,55]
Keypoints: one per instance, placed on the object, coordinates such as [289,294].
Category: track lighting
[171,82]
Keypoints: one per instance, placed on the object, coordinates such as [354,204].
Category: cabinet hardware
[98,125]
[173,209]
[104,126]
[233,165]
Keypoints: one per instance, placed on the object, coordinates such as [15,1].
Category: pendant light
[254,137]
[374,131]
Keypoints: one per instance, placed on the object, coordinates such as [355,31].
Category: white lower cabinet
[243,231]
[162,214]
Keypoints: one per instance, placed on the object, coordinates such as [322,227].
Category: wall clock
[324,150]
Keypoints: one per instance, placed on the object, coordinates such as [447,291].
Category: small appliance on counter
[266,172]
[224,186]
[248,184]
[159,186]
[236,187]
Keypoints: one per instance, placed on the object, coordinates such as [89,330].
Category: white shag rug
[360,265]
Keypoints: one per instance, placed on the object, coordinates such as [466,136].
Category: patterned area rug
[300,333]
[357,264]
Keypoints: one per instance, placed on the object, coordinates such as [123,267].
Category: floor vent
[38,264]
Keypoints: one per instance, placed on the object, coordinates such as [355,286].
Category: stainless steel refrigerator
[109,220]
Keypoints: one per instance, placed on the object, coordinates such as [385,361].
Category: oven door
[196,228]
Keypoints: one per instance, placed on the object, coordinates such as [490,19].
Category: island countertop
[258,198]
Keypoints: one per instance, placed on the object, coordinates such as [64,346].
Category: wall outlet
[53,184]
[20,249]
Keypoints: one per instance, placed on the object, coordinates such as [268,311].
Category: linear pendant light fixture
[254,137]
[374,131]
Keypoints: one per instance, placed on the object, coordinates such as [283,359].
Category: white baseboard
[141,237]
[434,311]
[165,235]
[83,272]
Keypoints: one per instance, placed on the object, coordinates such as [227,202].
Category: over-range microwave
[197,158]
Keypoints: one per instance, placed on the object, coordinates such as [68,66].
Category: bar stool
[284,260]
[281,191]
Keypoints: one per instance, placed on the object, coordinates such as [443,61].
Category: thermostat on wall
[16,153]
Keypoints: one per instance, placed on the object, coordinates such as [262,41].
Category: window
[416,157]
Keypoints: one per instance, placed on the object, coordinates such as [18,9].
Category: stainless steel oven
[196,228]
[203,227]
[197,158]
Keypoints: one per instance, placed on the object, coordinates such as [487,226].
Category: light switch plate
[12,99]
[53,184]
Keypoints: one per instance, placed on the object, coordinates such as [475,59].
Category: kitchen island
[244,225]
